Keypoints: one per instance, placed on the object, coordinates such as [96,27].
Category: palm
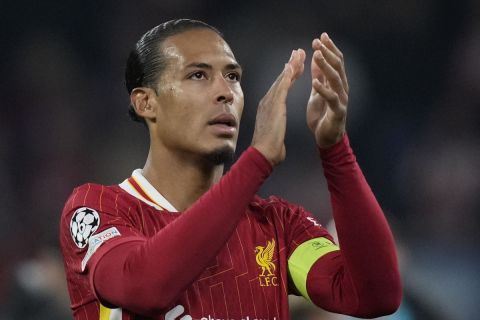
[317,105]
[327,106]
[317,109]
[320,116]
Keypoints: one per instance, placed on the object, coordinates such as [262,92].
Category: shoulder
[291,214]
[92,194]
[279,209]
[90,198]
[90,207]
[275,203]
[295,222]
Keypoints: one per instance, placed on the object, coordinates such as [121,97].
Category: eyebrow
[202,65]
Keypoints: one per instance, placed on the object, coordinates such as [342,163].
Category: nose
[223,91]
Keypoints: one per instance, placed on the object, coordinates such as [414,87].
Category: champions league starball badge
[84,223]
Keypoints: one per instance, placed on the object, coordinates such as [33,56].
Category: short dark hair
[146,61]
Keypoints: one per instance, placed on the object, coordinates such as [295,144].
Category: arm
[361,279]
[147,276]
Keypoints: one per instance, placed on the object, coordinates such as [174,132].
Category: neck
[181,178]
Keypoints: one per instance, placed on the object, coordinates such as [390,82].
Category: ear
[143,101]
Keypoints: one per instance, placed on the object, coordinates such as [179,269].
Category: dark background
[414,123]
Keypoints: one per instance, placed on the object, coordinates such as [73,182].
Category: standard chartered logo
[176,312]
[179,310]
[243,318]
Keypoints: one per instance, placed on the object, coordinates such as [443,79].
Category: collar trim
[139,187]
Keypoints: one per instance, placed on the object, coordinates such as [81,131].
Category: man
[177,240]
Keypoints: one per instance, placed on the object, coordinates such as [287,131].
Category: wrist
[272,156]
[329,143]
[336,151]
[260,160]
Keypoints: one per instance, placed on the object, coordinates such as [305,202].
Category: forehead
[198,45]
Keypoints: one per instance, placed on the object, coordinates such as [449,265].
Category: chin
[220,155]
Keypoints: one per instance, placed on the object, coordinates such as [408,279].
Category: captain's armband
[303,258]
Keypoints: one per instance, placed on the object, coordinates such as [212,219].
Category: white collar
[139,187]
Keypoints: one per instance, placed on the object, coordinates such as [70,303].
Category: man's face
[200,101]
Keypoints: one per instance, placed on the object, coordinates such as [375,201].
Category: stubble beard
[220,156]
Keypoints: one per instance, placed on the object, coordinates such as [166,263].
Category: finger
[330,96]
[330,74]
[279,90]
[328,42]
[336,63]
[280,77]
[293,70]
[281,85]
[327,93]
[316,43]
[315,70]
[332,59]
[298,63]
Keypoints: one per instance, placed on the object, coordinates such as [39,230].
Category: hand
[327,106]
[271,121]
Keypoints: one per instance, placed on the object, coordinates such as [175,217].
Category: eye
[233,76]
[198,75]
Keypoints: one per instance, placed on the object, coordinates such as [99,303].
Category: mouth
[225,119]
[224,125]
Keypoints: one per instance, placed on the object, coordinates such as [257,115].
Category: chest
[248,276]
[256,244]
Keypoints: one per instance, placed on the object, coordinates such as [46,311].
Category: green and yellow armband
[303,258]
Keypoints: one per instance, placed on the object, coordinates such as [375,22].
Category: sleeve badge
[85,221]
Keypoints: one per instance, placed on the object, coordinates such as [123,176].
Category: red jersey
[246,280]
[129,254]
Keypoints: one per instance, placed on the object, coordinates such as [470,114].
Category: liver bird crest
[264,258]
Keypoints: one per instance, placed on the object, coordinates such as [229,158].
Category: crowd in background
[414,124]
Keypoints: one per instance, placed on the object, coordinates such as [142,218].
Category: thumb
[286,82]
[293,68]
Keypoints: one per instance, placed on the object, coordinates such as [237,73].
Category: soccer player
[179,239]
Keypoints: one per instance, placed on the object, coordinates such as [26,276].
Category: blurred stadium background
[414,122]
